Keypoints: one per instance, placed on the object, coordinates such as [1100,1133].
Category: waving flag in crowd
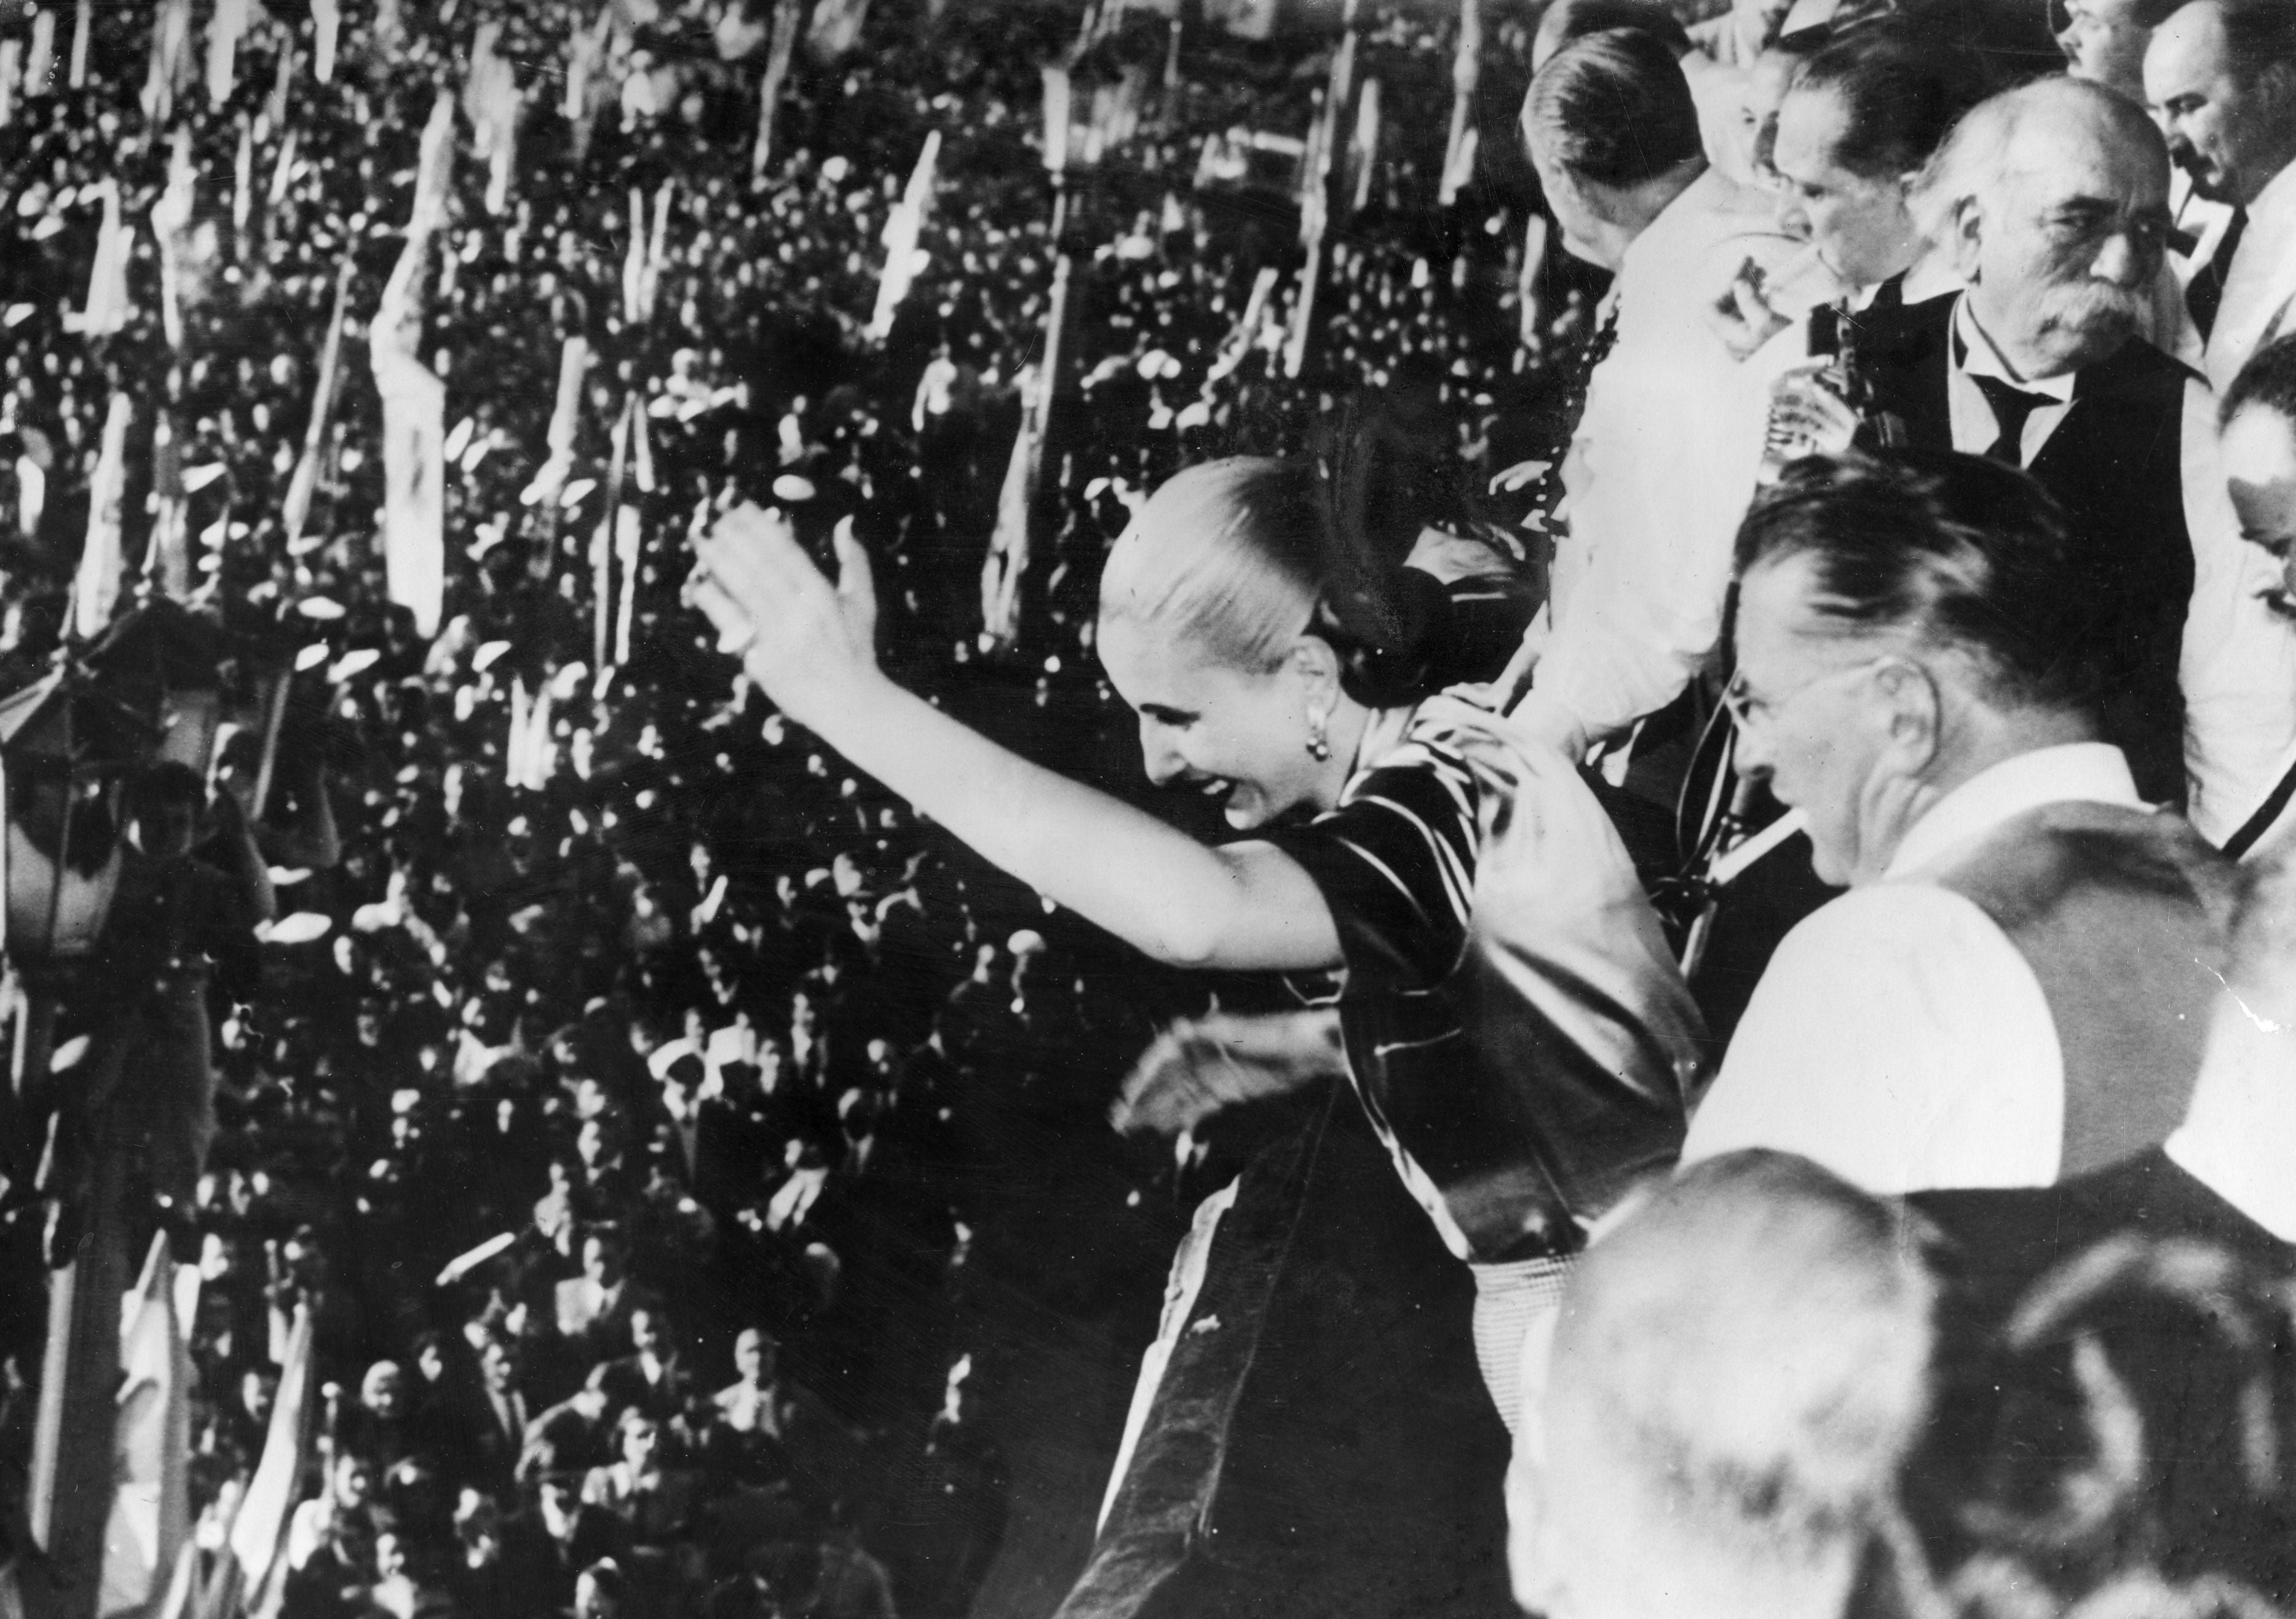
[413,398]
[903,258]
[151,1520]
[171,60]
[491,101]
[296,510]
[106,311]
[326,27]
[95,590]
[171,222]
[226,24]
[1466,73]
[787,15]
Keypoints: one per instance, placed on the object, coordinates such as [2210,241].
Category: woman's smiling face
[1239,735]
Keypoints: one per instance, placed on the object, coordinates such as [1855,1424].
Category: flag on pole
[1316,193]
[171,60]
[1364,154]
[1466,73]
[602,543]
[83,24]
[48,1421]
[657,250]
[491,101]
[151,1520]
[282,172]
[295,511]
[903,258]
[242,177]
[413,399]
[1526,285]
[225,27]
[573,361]
[107,277]
[327,26]
[633,261]
[40,64]
[1057,93]
[627,536]
[514,746]
[586,48]
[167,559]
[171,221]
[260,1530]
[786,16]
[96,589]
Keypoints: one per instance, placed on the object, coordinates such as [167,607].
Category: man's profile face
[2227,123]
[1861,228]
[1809,723]
[2104,43]
[2067,245]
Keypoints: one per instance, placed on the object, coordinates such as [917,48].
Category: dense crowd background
[610,961]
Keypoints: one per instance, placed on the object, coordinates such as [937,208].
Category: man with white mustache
[2051,203]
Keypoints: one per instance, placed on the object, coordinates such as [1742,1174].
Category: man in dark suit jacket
[2169,1263]
[2055,210]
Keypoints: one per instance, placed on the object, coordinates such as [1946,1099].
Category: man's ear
[1913,710]
[1964,237]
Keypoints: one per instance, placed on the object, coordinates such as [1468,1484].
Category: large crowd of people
[626,1032]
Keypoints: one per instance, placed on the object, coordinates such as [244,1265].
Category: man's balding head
[1739,1372]
[2222,74]
[2051,199]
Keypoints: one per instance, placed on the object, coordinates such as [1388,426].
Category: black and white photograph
[1148,808]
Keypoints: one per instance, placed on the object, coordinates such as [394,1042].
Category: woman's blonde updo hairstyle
[1241,556]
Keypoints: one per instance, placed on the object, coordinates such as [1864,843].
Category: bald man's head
[2052,201]
[2222,74]
[1740,1373]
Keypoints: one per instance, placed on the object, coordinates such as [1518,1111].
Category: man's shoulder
[2008,1237]
[1884,918]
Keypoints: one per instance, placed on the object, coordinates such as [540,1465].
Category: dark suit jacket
[2116,464]
[2009,1418]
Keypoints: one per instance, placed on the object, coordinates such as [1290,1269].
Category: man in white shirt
[1663,460]
[2222,74]
[2014,988]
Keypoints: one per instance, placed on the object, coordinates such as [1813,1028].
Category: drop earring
[1319,746]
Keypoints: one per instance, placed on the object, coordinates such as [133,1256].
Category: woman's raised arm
[811,647]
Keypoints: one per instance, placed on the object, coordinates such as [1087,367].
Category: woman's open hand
[806,642]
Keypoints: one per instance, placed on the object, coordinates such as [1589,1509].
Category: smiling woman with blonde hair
[1278,663]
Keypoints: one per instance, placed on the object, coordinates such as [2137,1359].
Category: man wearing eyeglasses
[2016,985]
[2051,203]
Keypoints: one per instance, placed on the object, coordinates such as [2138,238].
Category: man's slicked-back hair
[2266,382]
[1959,552]
[1903,90]
[1613,107]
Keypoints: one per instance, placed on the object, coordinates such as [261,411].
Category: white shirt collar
[2093,772]
[1656,251]
[2237,1134]
[1975,355]
[2275,204]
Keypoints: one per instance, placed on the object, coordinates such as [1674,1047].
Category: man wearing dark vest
[2015,988]
[2051,201]
[2034,1269]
